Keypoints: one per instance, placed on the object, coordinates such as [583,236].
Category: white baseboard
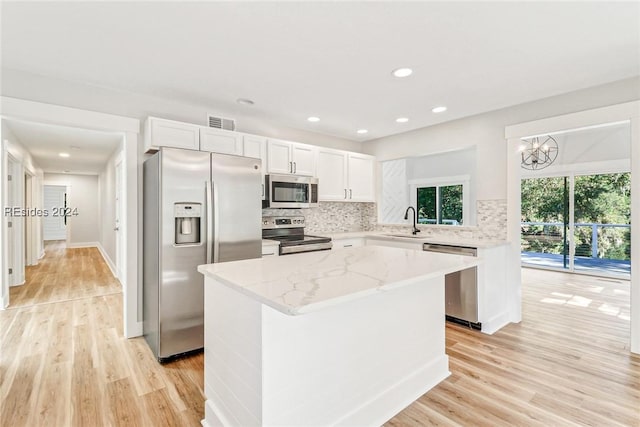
[390,402]
[4,302]
[82,245]
[107,259]
[496,323]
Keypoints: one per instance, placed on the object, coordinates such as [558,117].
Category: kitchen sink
[409,236]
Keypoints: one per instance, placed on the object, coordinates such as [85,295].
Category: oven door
[290,191]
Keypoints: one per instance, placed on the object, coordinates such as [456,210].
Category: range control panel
[271,222]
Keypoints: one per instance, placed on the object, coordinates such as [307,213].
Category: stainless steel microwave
[290,191]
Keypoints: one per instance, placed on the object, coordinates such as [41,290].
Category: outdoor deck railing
[558,226]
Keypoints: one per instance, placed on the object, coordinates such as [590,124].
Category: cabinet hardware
[262,190]
[295,167]
[345,193]
[291,167]
[350,193]
[347,246]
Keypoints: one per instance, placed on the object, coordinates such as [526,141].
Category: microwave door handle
[208,223]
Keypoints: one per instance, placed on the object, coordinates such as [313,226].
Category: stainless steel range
[289,230]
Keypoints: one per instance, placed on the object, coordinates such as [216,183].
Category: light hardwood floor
[64,274]
[566,364]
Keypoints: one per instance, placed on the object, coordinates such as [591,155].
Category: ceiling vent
[221,122]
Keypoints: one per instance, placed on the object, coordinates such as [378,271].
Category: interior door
[54,227]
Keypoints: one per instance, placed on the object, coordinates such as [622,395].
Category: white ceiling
[88,150]
[330,59]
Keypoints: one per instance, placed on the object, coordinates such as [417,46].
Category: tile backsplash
[333,217]
[336,217]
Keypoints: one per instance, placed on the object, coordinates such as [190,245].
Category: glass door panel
[602,212]
[545,222]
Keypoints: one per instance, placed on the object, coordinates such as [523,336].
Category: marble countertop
[302,283]
[385,235]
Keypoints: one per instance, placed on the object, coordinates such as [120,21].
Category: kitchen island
[347,337]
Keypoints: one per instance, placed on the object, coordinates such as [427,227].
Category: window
[440,204]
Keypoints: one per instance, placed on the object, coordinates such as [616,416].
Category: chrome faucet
[414,230]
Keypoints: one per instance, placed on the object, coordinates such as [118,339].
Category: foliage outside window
[602,201]
[440,204]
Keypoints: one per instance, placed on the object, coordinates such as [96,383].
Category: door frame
[129,128]
[629,111]
[119,191]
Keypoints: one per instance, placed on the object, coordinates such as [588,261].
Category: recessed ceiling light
[63,154]
[74,147]
[439,109]
[244,101]
[402,72]
[313,119]
[402,120]
[362,131]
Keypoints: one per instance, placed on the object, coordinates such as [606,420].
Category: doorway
[55,201]
[578,223]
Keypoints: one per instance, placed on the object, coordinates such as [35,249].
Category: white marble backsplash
[339,217]
[333,217]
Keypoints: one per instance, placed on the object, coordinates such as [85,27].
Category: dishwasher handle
[449,249]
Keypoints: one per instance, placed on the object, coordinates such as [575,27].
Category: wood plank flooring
[566,364]
[64,274]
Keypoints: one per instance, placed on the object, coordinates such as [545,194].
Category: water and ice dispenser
[188,217]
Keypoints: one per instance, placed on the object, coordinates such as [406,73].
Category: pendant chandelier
[538,152]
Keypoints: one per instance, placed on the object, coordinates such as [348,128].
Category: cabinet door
[303,157]
[279,157]
[332,175]
[360,178]
[167,133]
[220,141]
[256,146]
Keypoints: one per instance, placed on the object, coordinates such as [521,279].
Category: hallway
[64,274]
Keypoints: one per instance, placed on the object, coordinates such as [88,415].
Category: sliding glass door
[577,223]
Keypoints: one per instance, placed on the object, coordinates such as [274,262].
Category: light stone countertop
[307,282]
[385,235]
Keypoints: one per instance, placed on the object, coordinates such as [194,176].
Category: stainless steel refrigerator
[199,208]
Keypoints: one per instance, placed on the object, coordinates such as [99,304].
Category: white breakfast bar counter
[347,337]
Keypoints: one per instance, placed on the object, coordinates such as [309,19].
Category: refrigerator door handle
[216,223]
[209,225]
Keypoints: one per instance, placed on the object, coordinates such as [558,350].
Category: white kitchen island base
[356,363]
[347,337]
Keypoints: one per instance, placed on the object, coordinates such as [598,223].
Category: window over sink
[440,204]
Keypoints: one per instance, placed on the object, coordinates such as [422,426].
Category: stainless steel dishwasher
[460,288]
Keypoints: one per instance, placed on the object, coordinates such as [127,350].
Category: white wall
[107,192]
[82,193]
[11,146]
[24,85]
[486,132]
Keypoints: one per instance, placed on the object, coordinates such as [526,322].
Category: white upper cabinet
[256,146]
[169,133]
[332,174]
[286,157]
[220,141]
[344,176]
[303,157]
[360,177]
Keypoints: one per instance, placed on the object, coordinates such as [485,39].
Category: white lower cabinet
[270,249]
[347,243]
